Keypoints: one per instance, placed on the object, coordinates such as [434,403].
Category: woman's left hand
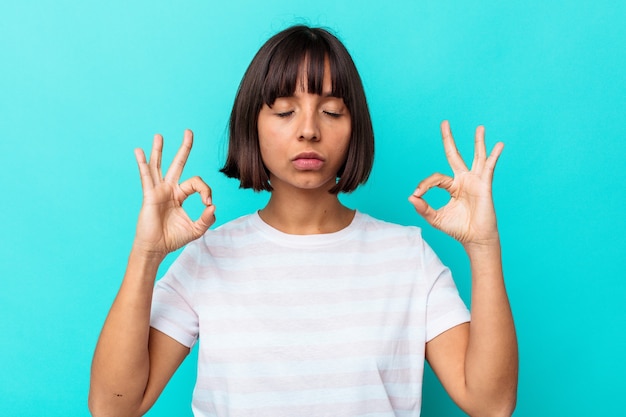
[469,216]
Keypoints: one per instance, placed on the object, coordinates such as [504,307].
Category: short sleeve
[444,306]
[173,310]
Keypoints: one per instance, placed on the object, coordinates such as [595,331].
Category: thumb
[206,219]
[423,208]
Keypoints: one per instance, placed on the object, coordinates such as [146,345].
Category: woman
[307,307]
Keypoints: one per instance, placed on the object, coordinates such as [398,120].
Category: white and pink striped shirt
[308,325]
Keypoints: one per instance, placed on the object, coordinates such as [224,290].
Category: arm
[476,362]
[133,362]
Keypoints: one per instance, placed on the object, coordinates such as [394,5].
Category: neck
[309,212]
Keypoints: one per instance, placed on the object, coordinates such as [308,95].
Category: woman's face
[304,138]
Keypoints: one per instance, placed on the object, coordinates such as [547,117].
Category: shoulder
[387,234]
[237,227]
[370,224]
[222,236]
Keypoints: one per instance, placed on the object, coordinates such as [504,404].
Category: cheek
[266,136]
[345,140]
[270,148]
[271,134]
[266,150]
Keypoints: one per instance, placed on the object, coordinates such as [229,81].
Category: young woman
[307,307]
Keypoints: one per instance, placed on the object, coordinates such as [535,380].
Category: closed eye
[284,114]
[332,114]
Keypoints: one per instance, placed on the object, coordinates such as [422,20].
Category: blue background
[84,83]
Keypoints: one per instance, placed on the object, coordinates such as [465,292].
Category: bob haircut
[274,72]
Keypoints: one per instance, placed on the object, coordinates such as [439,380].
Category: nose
[309,128]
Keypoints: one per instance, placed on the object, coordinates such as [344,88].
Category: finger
[155,159]
[178,164]
[435,180]
[197,185]
[490,163]
[452,153]
[206,219]
[480,152]
[423,209]
[144,170]
[421,206]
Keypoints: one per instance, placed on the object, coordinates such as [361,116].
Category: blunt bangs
[274,72]
[287,66]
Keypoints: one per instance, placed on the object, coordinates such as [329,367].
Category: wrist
[146,255]
[142,270]
[482,247]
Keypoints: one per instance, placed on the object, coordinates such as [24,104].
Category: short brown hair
[273,73]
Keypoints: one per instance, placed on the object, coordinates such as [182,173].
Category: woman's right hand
[163,224]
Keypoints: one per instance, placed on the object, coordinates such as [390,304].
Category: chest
[301,312]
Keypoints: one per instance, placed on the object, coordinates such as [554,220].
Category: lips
[308,161]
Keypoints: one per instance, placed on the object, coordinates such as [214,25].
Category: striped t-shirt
[308,325]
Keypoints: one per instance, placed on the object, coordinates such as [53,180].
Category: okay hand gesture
[163,224]
[469,216]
